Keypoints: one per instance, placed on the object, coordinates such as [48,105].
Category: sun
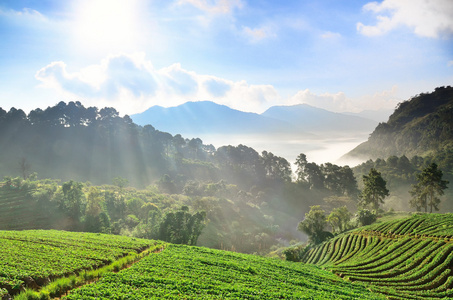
[107,24]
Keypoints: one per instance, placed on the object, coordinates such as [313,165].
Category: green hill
[409,258]
[420,126]
[31,259]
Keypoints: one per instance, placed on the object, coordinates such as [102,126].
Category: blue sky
[249,55]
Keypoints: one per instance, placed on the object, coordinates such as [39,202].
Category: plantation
[184,272]
[410,258]
[17,211]
[32,258]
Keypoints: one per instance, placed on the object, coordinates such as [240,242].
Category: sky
[344,56]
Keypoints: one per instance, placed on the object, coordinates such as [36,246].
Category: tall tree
[314,223]
[375,189]
[339,218]
[430,185]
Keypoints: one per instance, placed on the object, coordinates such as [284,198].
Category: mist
[318,149]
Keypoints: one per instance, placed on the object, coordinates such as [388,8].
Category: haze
[131,55]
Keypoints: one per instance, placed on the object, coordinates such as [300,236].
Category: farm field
[185,272]
[411,258]
[32,258]
[18,211]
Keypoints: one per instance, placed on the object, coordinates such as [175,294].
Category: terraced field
[18,211]
[184,272]
[35,257]
[44,264]
[411,258]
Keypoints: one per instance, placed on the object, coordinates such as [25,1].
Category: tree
[73,198]
[181,227]
[314,223]
[120,182]
[366,217]
[276,168]
[339,218]
[301,162]
[375,189]
[24,167]
[429,186]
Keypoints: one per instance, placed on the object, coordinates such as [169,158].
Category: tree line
[425,194]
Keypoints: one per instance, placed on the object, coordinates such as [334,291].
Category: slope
[32,258]
[183,272]
[409,258]
[420,126]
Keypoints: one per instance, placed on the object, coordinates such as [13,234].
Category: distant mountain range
[206,117]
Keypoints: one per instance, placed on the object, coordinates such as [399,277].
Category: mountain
[420,126]
[205,117]
[318,120]
[380,115]
[208,117]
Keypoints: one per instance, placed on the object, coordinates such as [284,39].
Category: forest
[88,169]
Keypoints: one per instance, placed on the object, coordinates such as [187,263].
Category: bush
[295,253]
[366,217]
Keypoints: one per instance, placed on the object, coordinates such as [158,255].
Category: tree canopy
[430,185]
[375,189]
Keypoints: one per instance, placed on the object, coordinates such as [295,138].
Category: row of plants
[32,258]
[408,258]
[181,271]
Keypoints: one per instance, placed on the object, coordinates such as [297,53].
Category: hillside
[420,126]
[409,258]
[176,272]
[57,260]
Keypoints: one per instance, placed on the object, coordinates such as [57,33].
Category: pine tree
[429,186]
[375,189]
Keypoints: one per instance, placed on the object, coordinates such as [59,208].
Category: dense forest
[88,169]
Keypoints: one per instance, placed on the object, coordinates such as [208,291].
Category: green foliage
[429,185]
[38,255]
[407,258]
[420,126]
[339,218]
[181,227]
[313,224]
[366,217]
[73,199]
[374,190]
[183,272]
[120,182]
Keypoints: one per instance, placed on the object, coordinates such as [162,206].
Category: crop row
[409,258]
[43,255]
[427,225]
[199,273]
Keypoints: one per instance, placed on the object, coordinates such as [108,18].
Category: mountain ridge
[422,125]
[209,117]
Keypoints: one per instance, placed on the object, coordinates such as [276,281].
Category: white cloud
[338,102]
[131,84]
[258,34]
[450,63]
[332,102]
[26,13]
[329,35]
[218,7]
[426,18]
